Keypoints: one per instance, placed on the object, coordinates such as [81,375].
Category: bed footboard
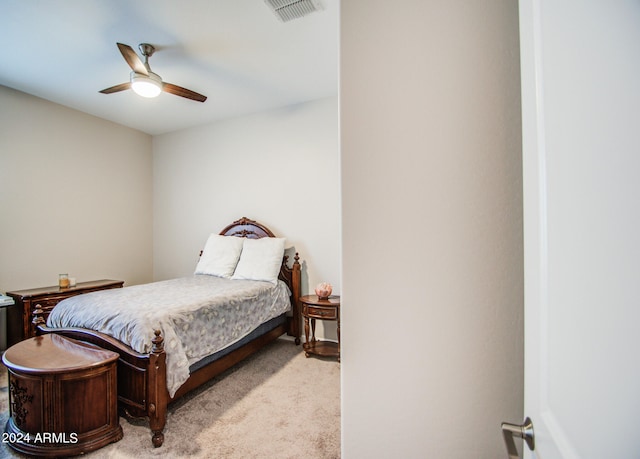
[142,382]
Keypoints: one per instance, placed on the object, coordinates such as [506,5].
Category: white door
[581,166]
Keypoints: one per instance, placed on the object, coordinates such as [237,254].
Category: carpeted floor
[276,404]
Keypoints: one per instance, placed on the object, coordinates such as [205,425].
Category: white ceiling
[235,52]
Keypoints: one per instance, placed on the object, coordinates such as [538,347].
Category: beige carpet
[276,404]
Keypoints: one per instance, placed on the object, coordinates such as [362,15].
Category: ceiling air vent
[287,10]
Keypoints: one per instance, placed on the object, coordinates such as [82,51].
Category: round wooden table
[324,309]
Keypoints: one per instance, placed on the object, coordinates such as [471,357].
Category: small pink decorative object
[323,290]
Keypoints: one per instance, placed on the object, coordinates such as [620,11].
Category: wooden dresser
[19,316]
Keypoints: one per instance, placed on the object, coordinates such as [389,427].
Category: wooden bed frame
[142,383]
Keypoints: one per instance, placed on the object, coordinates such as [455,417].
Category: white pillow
[220,256]
[260,259]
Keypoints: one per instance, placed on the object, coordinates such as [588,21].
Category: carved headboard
[247,228]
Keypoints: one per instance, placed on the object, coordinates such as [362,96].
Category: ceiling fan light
[145,86]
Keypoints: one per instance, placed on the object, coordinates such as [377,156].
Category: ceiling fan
[143,81]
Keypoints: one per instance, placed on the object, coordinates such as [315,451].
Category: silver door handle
[524,431]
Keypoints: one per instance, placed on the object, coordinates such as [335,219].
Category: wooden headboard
[247,228]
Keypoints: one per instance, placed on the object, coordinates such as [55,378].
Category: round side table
[314,308]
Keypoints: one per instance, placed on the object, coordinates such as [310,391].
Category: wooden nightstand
[314,308]
[19,316]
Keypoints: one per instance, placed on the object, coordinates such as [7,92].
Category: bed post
[38,320]
[294,329]
[157,390]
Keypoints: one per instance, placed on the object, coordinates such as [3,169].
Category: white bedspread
[197,316]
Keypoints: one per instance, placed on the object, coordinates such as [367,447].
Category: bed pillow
[260,259]
[220,256]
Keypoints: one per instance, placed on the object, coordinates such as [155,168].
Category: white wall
[280,168]
[432,352]
[75,196]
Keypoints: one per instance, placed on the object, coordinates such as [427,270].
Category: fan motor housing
[146,49]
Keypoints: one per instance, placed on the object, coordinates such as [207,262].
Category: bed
[157,364]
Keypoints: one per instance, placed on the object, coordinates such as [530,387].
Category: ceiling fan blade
[117,88]
[132,59]
[183,92]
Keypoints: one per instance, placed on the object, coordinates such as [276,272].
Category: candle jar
[63,280]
